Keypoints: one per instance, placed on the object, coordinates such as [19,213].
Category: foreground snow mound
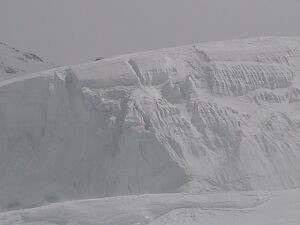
[14,62]
[281,208]
[210,117]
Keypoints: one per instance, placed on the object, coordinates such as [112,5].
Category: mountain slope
[14,62]
[210,117]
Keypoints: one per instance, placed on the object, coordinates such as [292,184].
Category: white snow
[212,117]
[247,208]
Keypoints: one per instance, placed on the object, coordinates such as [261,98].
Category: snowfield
[280,208]
[207,118]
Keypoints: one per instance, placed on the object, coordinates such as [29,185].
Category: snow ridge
[14,62]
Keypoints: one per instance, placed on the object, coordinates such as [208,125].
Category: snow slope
[212,117]
[280,208]
[14,62]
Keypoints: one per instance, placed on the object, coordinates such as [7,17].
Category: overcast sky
[74,31]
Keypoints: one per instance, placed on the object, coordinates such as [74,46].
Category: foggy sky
[73,31]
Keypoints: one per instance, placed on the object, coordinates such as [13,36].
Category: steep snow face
[14,63]
[210,117]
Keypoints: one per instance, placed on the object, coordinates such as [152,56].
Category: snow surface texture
[212,117]
[248,208]
[14,62]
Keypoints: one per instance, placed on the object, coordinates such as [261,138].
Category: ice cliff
[209,117]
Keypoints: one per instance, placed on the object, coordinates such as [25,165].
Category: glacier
[204,118]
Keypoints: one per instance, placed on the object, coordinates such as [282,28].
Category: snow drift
[215,116]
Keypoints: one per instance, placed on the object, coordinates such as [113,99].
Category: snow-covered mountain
[210,117]
[14,62]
